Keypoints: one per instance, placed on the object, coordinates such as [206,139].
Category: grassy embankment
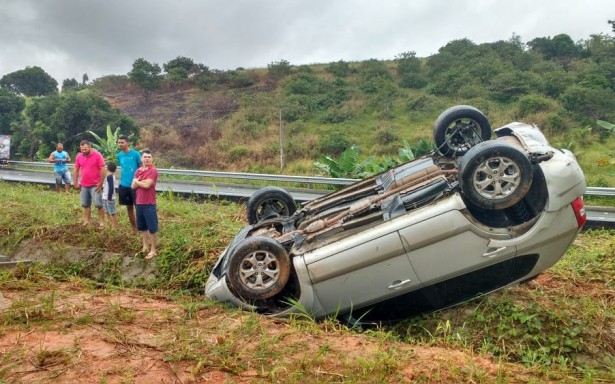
[559,327]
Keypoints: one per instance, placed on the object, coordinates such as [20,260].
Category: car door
[449,245]
[361,269]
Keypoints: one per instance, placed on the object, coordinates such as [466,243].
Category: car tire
[495,175]
[259,268]
[459,128]
[270,202]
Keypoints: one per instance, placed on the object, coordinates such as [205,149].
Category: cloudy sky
[68,38]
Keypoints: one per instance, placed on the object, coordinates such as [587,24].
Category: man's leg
[86,203]
[68,180]
[153,239]
[87,215]
[130,209]
[58,178]
[152,226]
[101,216]
[145,240]
[98,203]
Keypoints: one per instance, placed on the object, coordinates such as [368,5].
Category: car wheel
[259,268]
[270,202]
[495,175]
[459,128]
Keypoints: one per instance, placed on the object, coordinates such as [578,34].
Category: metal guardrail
[309,180]
[223,175]
[600,191]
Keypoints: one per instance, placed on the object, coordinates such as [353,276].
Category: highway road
[233,192]
[597,217]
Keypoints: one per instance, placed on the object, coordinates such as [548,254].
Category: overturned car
[471,217]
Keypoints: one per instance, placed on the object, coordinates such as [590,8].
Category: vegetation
[89,293]
[192,116]
[351,116]
[108,146]
[30,81]
[66,118]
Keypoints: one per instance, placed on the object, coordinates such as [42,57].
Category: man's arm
[102,179]
[68,160]
[52,158]
[76,176]
[145,184]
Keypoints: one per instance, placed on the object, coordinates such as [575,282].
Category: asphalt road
[597,217]
[233,192]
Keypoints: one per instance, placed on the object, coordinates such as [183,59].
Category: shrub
[337,115]
[279,69]
[242,79]
[421,103]
[339,69]
[532,103]
[412,80]
[554,123]
[238,152]
[423,147]
[333,143]
[385,136]
[250,128]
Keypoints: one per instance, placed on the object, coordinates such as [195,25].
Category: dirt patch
[128,267]
[76,335]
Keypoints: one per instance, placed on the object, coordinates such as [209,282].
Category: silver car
[473,216]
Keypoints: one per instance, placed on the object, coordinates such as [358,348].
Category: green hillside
[282,118]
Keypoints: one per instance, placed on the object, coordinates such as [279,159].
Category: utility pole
[281,140]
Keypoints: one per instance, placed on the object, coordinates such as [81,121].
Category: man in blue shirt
[129,160]
[60,158]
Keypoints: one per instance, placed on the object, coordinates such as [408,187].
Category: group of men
[137,187]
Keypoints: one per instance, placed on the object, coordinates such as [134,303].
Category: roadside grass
[557,327]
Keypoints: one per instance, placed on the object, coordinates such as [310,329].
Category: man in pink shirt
[91,166]
[144,184]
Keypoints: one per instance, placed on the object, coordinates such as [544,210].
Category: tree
[179,68]
[409,70]
[146,75]
[279,69]
[31,81]
[407,62]
[67,118]
[612,22]
[70,84]
[339,69]
[590,101]
[559,47]
[11,106]
[511,85]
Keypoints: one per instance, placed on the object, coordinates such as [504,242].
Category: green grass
[556,328]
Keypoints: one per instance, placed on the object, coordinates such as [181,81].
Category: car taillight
[579,211]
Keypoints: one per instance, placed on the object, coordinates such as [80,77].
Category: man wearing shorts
[90,165]
[144,184]
[129,160]
[60,158]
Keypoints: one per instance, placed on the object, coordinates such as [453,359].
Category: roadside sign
[5,149]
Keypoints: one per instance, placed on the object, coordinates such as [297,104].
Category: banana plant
[347,166]
[107,147]
[606,125]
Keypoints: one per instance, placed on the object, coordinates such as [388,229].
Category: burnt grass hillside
[236,120]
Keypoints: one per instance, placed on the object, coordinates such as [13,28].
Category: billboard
[5,148]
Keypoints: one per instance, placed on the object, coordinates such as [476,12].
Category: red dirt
[69,336]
